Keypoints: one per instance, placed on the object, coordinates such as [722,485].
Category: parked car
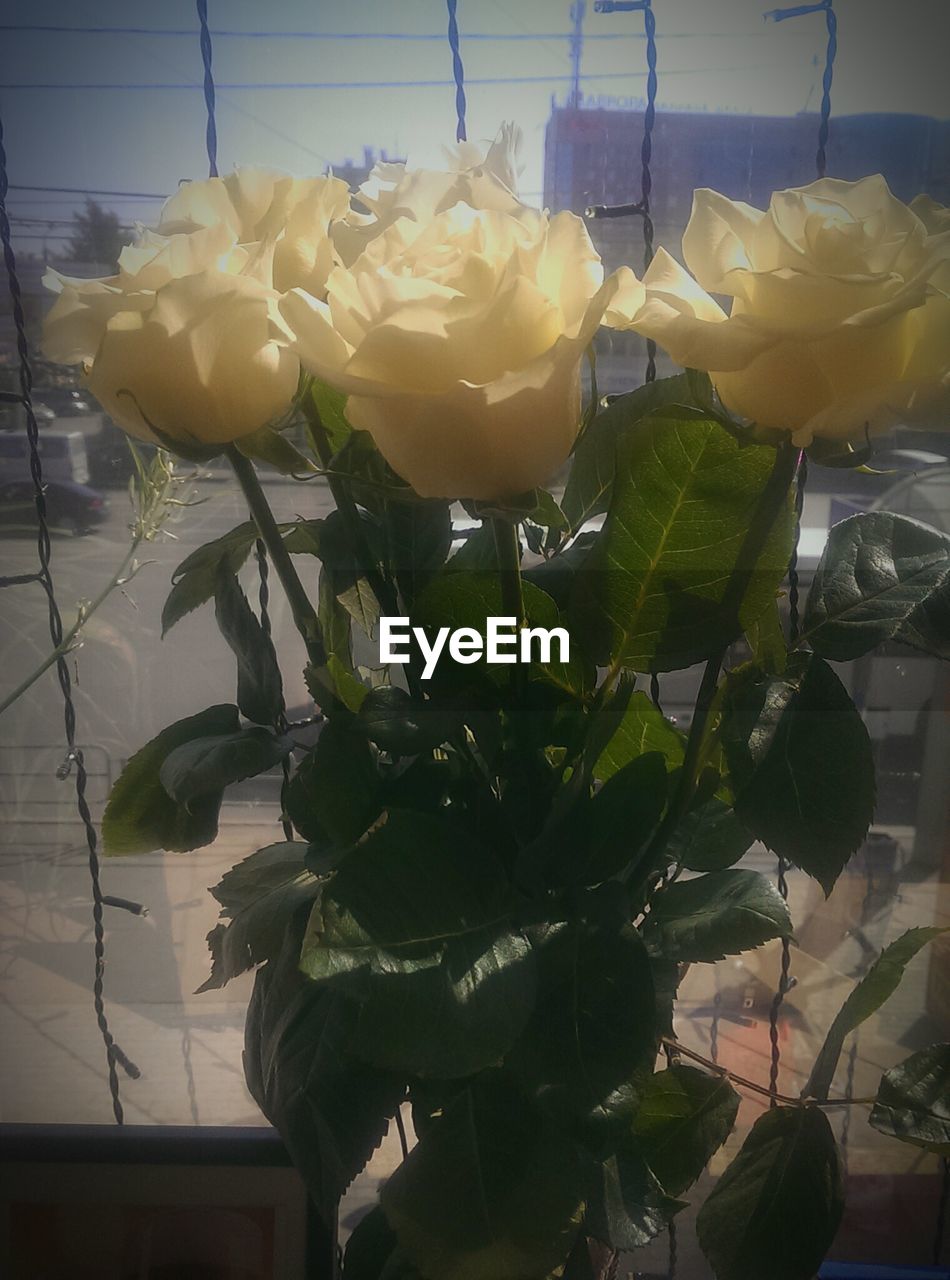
[71,508]
[62,452]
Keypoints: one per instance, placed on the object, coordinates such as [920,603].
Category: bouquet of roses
[499,857]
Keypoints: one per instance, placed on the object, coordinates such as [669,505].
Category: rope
[211,133]
[831,22]
[458,71]
[646,154]
[74,755]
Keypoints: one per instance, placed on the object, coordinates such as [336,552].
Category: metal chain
[458,71]
[74,756]
[211,132]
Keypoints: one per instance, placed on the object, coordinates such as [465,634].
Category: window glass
[101,120]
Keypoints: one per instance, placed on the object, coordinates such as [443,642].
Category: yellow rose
[459,342]
[840,319]
[482,180]
[187,335]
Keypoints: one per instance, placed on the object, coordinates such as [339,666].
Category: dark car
[71,508]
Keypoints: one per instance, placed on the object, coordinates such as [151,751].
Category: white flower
[458,338]
[840,319]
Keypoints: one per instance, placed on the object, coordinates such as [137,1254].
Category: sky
[718,55]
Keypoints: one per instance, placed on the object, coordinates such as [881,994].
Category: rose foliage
[490,882]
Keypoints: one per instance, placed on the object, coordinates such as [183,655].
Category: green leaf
[450,1019]
[331,1110]
[419,538]
[210,764]
[928,627]
[140,814]
[709,838]
[913,1100]
[335,792]
[345,570]
[477,554]
[609,832]
[776,1209]
[492,1190]
[468,600]
[415,883]
[876,571]
[683,1119]
[716,915]
[274,448]
[259,898]
[259,686]
[594,1025]
[369,1247]
[642,729]
[193,582]
[331,405]
[878,984]
[406,726]
[194,579]
[628,1208]
[692,551]
[801,765]
[592,473]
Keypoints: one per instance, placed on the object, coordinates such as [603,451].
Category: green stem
[81,619]
[382,588]
[508,553]
[303,611]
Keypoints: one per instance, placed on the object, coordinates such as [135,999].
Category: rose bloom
[187,337]
[840,315]
[459,343]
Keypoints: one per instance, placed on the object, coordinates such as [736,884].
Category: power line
[373,35]
[390,84]
[89,191]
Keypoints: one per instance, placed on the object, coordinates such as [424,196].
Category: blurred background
[103,116]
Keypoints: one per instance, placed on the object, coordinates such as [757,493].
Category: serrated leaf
[913,1100]
[587,492]
[683,1119]
[776,1209]
[259,686]
[141,816]
[491,1190]
[335,792]
[415,883]
[695,545]
[716,915]
[259,898]
[193,581]
[709,837]
[877,569]
[331,1110]
[801,764]
[211,764]
[450,1019]
[878,984]
[627,1207]
[594,1025]
[642,729]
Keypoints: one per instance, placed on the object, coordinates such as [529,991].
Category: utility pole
[578,10]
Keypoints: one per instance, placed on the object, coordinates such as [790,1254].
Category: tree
[98,236]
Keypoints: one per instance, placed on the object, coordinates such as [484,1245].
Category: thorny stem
[745,1083]
[82,618]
